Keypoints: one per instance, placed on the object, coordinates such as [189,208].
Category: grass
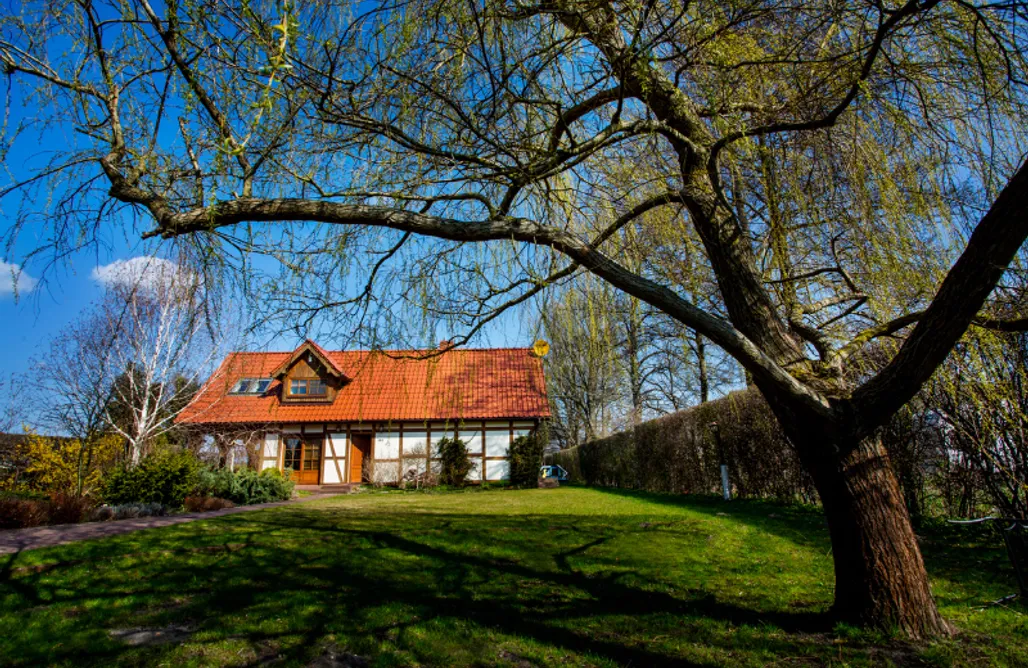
[570,576]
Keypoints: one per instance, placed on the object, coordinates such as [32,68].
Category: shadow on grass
[803,525]
[419,586]
[969,555]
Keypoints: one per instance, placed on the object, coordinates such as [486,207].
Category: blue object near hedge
[554,471]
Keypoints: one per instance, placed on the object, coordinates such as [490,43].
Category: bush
[23,494]
[53,462]
[244,487]
[69,509]
[18,513]
[164,478]
[127,511]
[203,504]
[454,461]
[526,456]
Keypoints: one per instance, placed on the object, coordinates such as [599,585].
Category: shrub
[454,461]
[24,494]
[68,509]
[244,487]
[127,511]
[18,513]
[203,504]
[526,456]
[54,462]
[214,482]
[164,478]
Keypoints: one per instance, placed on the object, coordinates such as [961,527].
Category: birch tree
[163,347]
[847,171]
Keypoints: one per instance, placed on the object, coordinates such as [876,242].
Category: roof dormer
[309,375]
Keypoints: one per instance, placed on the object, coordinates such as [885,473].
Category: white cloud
[145,271]
[13,279]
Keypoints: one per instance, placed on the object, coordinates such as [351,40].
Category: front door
[303,457]
[360,452]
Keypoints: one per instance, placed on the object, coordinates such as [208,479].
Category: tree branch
[993,244]
[519,229]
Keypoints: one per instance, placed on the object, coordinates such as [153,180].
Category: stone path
[18,540]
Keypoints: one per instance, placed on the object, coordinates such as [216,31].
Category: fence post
[725,489]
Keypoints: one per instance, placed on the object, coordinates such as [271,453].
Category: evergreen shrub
[454,462]
[526,456]
[165,478]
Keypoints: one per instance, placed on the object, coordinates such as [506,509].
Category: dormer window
[308,387]
[251,386]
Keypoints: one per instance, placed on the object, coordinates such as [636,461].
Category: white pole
[724,482]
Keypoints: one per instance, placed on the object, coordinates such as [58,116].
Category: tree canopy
[831,173]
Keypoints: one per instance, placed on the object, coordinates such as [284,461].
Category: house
[336,417]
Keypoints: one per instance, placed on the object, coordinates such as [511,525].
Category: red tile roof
[386,385]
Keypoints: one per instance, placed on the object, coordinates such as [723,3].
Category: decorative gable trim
[319,354]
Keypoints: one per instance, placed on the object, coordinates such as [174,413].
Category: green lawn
[496,577]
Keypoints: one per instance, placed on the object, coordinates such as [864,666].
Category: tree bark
[880,577]
[701,366]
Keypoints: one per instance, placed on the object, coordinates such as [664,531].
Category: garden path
[19,540]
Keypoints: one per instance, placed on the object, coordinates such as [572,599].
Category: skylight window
[251,386]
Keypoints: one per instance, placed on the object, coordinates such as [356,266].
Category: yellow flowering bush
[70,465]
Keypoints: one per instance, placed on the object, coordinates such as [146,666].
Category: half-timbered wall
[399,448]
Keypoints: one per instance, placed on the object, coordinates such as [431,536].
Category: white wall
[387,445]
[497,443]
[413,440]
[270,452]
[497,470]
[472,440]
[336,452]
[385,472]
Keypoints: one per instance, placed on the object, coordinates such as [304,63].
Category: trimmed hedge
[679,453]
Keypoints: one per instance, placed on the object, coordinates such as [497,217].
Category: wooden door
[303,456]
[310,468]
[360,449]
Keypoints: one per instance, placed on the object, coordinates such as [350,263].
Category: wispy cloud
[15,281]
[145,272]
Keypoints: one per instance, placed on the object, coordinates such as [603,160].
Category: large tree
[831,165]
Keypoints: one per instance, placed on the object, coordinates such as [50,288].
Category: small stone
[140,637]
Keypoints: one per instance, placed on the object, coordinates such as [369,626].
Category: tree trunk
[880,578]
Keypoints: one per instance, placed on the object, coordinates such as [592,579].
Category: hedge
[678,453]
